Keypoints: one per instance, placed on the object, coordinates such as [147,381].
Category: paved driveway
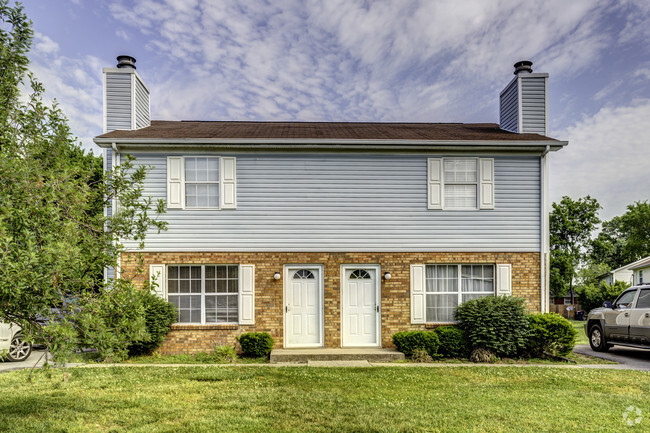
[35,358]
[634,359]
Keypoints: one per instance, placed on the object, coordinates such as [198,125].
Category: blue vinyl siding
[118,101]
[350,202]
[533,105]
[509,108]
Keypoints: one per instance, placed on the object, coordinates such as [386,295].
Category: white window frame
[459,277]
[484,184]
[201,182]
[203,292]
[227,183]
[475,184]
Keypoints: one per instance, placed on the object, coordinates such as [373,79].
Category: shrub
[495,323]
[453,342]
[550,333]
[159,316]
[482,355]
[408,342]
[256,344]
[420,355]
[111,320]
[591,296]
[225,354]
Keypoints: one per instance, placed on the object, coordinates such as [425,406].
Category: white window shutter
[418,304]
[157,278]
[486,187]
[175,190]
[247,294]
[504,280]
[228,183]
[435,184]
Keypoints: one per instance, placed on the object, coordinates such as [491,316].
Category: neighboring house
[641,271]
[333,234]
[569,299]
[624,273]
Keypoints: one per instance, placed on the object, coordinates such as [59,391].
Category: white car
[12,344]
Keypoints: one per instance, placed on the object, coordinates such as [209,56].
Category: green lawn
[252,398]
[579,325]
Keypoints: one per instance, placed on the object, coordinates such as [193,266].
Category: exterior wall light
[277,275]
[386,275]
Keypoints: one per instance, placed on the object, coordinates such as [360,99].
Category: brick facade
[395,293]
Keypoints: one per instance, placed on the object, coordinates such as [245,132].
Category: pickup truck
[12,344]
[625,322]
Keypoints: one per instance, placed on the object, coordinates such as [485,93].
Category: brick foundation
[395,296]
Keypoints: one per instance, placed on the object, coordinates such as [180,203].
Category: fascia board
[264,144]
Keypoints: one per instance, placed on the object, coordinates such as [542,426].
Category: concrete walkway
[367,364]
[628,357]
[35,359]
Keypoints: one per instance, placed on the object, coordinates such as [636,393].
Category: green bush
[256,344]
[453,342]
[591,296]
[159,316]
[495,323]
[408,342]
[225,353]
[551,334]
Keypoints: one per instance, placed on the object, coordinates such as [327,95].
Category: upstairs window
[201,182]
[460,183]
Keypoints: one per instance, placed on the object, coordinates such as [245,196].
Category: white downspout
[544,243]
[115,162]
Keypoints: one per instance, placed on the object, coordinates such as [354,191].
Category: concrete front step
[336,354]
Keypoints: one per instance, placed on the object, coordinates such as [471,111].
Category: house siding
[118,101]
[509,108]
[349,202]
[141,104]
[269,302]
[533,105]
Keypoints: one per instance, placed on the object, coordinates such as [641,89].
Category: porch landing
[336,354]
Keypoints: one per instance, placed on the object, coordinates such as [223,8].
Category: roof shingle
[160,129]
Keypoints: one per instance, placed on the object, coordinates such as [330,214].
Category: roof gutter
[319,143]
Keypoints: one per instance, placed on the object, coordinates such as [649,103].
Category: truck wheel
[597,339]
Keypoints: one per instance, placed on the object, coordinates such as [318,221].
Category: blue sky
[354,60]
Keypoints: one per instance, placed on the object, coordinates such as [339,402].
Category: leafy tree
[625,238]
[53,242]
[589,273]
[592,296]
[571,223]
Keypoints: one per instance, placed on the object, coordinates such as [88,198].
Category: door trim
[343,282]
[321,299]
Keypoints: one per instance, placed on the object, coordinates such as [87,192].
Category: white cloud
[120,33]
[44,44]
[76,85]
[352,59]
[606,158]
[607,90]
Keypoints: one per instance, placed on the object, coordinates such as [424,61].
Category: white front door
[360,306]
[303,325]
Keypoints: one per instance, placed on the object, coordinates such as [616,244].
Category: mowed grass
[268,399]
[579,326]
